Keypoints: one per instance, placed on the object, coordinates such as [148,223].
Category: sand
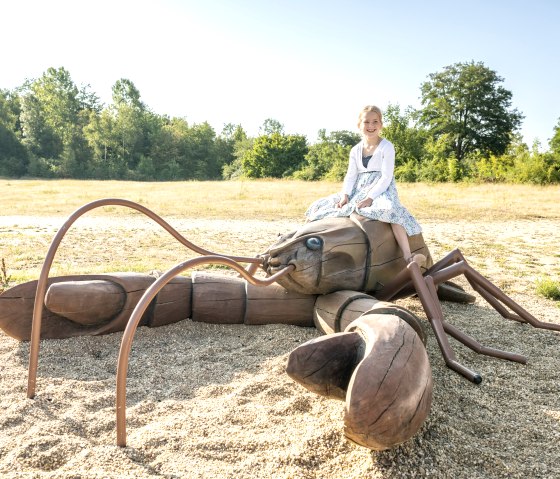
[213,401]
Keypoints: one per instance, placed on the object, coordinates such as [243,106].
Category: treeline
[465,130]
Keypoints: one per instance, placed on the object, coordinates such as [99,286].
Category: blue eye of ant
[313,243]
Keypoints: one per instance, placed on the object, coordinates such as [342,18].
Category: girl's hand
[365,203]
[342,202]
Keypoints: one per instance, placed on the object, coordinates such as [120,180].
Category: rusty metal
[147,297]
[43,277]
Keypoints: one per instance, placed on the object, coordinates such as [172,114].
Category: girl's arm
[351,173]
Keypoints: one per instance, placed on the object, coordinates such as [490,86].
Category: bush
[407,172]
[549,288]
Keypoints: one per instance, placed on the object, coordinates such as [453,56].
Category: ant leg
[427,293]
[401,285]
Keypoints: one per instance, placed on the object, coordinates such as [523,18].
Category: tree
[225,147]
[129,113]
[271,126]
[407,136]
[205,163]
[554,143]
[125,93]
[54,113]
[13,155]
[328,158]
[274,156]
[467,103]
[409,139]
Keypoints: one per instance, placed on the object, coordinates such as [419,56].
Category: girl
[369,186]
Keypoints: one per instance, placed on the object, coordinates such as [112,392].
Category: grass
[211,199]
[4,278]
[548,288]
[273,199]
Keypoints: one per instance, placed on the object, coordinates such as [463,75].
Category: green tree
[205,163]
[241,148]
[54,113]
[532,166]
[13,155]
[554,142]
[408,137]
[101,135]
[466,103]
[438,165]
[274,156]
[402,129]
[38,135]
[225,148]
[119,136]
[129,121]
[328,158]
[271,126]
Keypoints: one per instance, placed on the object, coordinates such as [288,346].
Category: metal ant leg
[472,343]
[491,293]
[454,264]
[401,286]
[427,293]
[479,348]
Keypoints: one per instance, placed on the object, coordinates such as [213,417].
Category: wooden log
[384,307]
[390,393]
[173,303]
[449,291]
[135,285]
[335,311]
[275,305]
[103,301]
[16,305]
[325,365]
[380,365]
[16,314]
[217,298]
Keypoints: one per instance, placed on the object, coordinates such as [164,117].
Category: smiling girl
[369,185]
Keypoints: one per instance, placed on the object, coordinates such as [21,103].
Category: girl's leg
[402,240]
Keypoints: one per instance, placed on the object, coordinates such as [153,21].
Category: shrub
[549,288]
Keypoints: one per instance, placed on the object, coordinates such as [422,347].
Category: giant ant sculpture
[373,355]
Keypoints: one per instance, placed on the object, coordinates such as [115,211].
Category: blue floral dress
[385,207]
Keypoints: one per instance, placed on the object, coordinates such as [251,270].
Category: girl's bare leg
[402,240]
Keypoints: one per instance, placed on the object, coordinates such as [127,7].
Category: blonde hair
[367,109]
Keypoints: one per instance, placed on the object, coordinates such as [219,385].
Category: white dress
[375,180]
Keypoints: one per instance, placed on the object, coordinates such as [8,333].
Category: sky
[308,64]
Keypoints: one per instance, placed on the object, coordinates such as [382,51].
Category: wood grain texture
[378,365]
[172,304]
[275,305]
[390,393]
[217,298]
[103,301]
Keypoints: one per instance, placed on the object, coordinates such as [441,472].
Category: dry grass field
[269,200]
[212,401]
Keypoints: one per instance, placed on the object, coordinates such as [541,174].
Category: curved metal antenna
[147,297]
[43,277]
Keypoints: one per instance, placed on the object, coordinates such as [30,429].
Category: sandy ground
[213,401]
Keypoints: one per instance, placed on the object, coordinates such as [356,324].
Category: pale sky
[308,64]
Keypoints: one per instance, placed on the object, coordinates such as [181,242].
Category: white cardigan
[383,160]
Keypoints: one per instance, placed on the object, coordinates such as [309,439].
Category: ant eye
[313,243]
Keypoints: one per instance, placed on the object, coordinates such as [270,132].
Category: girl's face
[370,125]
